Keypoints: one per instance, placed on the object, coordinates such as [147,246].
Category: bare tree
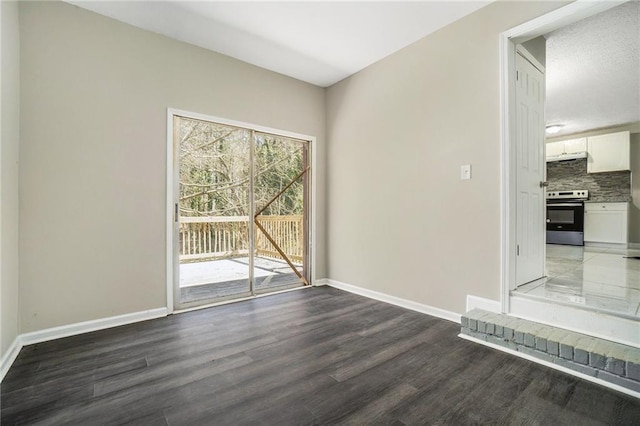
[215,170]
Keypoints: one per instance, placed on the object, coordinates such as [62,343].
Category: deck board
[222,279]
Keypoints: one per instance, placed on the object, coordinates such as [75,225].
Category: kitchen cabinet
[606,222]
[608,153]
[554,148]
[570,146]
[575,145]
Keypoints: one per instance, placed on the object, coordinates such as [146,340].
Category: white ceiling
[592,66]
[593,71]
[319,42]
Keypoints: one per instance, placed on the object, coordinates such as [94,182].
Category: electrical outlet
[465,172]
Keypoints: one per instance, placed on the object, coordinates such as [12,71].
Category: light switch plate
[465,172]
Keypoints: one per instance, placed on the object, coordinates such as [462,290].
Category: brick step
[609,361]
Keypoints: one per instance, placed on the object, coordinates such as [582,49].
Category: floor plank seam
[251,364]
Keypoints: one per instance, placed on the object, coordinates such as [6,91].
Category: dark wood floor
[313,356]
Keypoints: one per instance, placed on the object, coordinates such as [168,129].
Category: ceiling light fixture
[553,129]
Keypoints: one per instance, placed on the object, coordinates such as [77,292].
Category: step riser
[598,324]
[609,361]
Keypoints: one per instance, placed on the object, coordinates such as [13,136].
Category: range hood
[567,157]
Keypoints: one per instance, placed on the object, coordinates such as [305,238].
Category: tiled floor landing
[603,279]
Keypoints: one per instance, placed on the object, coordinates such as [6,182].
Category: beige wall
[93,147]
[400,220]
[10,125]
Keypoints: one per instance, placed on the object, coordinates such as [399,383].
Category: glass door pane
[280,200]
[214,226]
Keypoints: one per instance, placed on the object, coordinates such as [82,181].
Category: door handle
[544,184]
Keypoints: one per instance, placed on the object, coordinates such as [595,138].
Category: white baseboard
[635,246]
[88,326]
[393,300]
[10,356]
[607,245]
[475,302]
[552,365]
[72,330]
[321,282]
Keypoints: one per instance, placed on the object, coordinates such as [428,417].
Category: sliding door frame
[172,191]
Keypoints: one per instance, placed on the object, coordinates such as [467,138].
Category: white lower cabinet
[606,222]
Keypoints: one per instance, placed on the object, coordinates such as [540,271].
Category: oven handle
[566,205]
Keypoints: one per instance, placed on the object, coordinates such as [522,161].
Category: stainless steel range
[565,217]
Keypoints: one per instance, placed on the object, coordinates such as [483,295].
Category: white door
[530,173]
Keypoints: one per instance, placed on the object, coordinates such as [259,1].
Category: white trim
[241,299]
[89,326]
[565,15]
[554,366]
[403,303]
[314,207]
[607,245]
[170,190]
[475,302]
[553,20]
[72,330]
[321,282]
[169,213]
[529,57]
[507,223]
[634,246]
[10,356]
[245,125]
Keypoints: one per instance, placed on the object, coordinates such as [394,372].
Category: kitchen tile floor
[604,279]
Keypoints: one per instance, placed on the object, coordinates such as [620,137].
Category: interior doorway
[241,210]
[514,231]
[532,301]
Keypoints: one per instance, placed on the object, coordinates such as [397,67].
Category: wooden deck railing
[287,231]
[218,237]
[213,237]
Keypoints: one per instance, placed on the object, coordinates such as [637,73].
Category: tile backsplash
[570,175]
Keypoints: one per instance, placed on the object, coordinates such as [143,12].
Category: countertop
[609,200]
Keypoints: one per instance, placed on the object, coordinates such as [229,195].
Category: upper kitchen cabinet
[573,146]
[556,150]
[608,153]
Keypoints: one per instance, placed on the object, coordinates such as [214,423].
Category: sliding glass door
[241,212]
[280,199]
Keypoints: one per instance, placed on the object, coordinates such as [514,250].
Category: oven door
[565,217]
